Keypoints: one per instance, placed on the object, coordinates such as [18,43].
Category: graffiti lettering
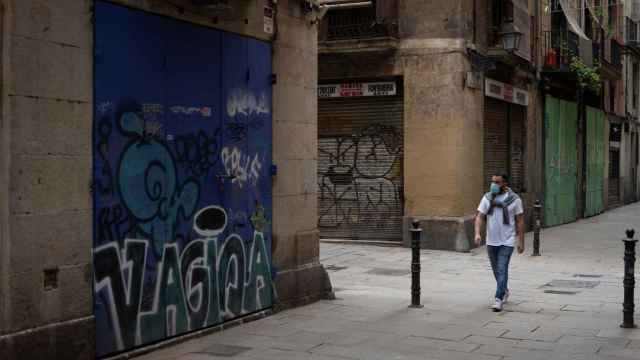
[104,107]
[197,152]
[243,168]
[152,109]
[113,224]
[199,287]
[105,184]
[190,110]
[245,103]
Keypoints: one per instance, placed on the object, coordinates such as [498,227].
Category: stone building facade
[61,283]
[472,107]
[439,54]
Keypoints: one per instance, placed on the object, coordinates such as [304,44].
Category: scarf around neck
[503,204]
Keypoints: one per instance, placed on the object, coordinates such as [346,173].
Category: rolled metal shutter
[360,160]
[517,140]
[496,139]
[504,139]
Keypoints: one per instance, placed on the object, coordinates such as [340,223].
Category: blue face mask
[495,189]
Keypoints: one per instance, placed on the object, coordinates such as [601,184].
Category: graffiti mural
[182,208]
[210,280]
[360,185]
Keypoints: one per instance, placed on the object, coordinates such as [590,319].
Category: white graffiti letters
[241,167]
[246,103]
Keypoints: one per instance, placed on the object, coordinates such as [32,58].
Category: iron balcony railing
[559,47]
[359,23]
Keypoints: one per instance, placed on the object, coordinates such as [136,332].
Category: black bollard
[415,264]
[629,280]
[537,208]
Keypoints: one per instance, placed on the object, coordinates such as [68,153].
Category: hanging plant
[588,77]
[599,13]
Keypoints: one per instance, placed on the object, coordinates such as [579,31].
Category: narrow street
[565,304]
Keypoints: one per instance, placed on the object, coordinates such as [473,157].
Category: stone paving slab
[369,319]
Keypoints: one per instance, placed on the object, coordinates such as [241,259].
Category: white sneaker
[497,307]
[506,296]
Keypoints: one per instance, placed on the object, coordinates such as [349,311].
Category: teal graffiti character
[148,185]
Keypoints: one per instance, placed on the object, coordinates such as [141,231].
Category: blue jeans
[499,257]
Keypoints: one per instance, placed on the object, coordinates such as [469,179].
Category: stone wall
[46,304]
[443,119]
[436,19]
[443,132]
[46,201]
[301,278]
[443,144]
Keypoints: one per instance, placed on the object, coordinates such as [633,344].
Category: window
[508,11]
[496,13]
[612,97]
[612,12]
[501,12]
[588,25]
[631,30]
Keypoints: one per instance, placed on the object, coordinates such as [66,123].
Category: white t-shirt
[497,232]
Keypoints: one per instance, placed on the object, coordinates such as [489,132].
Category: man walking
[505,214]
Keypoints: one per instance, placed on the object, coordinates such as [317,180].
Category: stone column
[443,143]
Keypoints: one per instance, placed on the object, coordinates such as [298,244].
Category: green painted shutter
[561,183]
[595,162]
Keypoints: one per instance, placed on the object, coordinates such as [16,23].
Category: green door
[595,162]
[561,182]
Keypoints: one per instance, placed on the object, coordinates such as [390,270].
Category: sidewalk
[565,304]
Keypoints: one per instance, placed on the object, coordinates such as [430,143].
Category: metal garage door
[595,162]
[182,192]
[504,138]
[561,159]
[360,177]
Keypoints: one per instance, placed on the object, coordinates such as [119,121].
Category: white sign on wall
[357,89]
[506,92]
[268,17]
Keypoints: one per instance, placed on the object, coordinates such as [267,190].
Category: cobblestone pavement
[565,304]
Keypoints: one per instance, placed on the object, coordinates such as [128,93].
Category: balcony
[360,29]
[559,47]
[355,24]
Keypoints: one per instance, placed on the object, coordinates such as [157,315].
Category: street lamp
[510,37]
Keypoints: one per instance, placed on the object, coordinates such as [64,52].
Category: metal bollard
[629,280]
[537,208]
[415,264]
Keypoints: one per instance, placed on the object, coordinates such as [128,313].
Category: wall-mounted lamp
[510,37]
